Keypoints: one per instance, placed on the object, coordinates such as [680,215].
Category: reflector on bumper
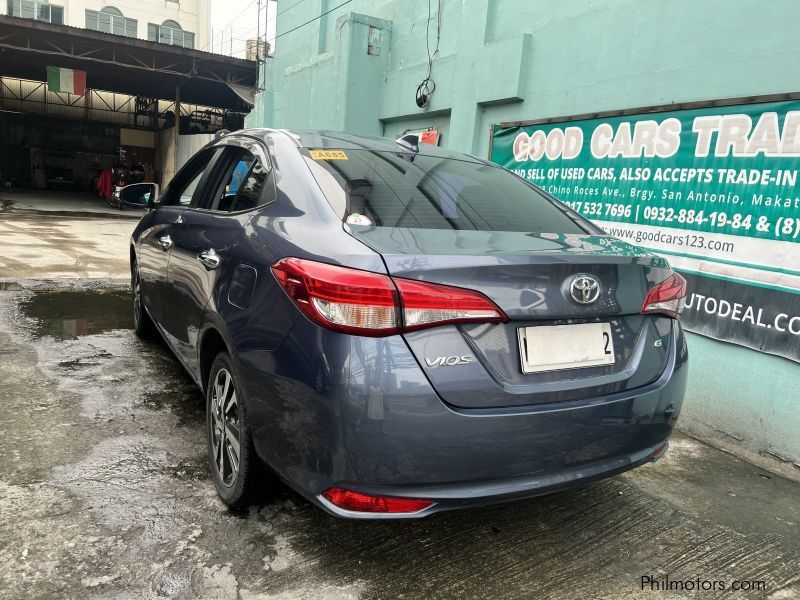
[356,502]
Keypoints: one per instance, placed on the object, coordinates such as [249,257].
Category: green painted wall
[504,60]
[752,396]
[357,69]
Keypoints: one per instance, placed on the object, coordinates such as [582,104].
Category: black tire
[236,485]
[142,323]
[113,201]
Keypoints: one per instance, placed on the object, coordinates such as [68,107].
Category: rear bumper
[475,494]
[329,410]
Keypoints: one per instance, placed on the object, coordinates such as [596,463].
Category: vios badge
[584,289]
[448,361]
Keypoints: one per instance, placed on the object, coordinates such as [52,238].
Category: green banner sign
[713,188]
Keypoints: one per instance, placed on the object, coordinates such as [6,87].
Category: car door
[155,242]
[152,258]
[207,246]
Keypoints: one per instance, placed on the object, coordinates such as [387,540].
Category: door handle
[210,259]
[165,242]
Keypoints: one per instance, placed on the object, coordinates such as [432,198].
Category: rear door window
[251,191]
[388,189]
[244,182]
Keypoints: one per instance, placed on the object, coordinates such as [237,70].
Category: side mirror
[140,195]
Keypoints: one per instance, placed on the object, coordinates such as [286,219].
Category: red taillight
[374,504]
[666,297]
[426,304]
[364,303]
[339,298]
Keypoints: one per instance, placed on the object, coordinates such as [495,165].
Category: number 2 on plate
[607,340]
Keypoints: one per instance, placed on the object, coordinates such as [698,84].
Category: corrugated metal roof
[122,64]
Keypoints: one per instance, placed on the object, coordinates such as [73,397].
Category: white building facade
[184,23]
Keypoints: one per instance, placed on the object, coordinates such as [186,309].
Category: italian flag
[69,81]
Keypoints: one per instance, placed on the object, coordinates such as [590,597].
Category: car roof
[326,139]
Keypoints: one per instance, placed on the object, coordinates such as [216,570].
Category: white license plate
[556,347]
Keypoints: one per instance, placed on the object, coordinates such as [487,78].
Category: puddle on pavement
[185,402]
[71,314]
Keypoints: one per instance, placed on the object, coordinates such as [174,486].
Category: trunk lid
[528,276]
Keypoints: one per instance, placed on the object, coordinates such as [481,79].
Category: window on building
[170,32]
[110,20]
[38,10]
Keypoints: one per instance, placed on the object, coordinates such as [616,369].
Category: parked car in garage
[396,329]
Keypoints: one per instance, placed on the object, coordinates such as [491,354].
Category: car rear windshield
[388,189]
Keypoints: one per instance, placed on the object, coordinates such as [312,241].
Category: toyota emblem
[584,289]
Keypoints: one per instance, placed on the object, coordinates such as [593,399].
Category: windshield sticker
[327,154]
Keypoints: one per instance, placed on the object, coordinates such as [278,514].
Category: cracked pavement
[105,493]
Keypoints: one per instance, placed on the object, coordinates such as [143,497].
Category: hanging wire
[280,35]
[309,21]
[229,24]
[279,13]
[428,86]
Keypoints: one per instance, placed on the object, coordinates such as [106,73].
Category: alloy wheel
[225,430]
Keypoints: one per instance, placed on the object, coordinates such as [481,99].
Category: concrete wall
[191,15]
[746,395]
[172,154]
[166,147]
[188,146]
[358,68]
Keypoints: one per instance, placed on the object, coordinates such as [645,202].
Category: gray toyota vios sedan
[396,329]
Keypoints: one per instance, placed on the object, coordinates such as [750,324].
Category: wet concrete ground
[56,202]
[57,237]
[105,493]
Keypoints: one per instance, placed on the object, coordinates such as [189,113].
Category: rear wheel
[142,323]
[234,465]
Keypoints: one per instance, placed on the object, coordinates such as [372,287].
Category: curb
[69,213]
